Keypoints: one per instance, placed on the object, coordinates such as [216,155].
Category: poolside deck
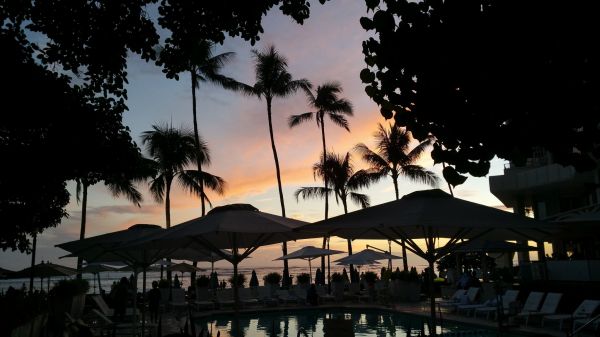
[173,324]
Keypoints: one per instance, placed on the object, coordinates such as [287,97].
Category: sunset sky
[326,48]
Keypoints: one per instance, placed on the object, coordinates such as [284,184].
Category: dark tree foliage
[488,78]
[63,92]
[190,21]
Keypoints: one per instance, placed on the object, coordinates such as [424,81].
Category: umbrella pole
[48,284]
[135,301]
[432,327]
[328,269]
[144,297]
[309,271]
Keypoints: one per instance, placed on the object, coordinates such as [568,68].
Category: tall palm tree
[173,150]
[273,80]
[198,59]
[326,103]
[396,159]
[343,184]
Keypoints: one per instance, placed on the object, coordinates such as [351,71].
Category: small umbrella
[96,269]
[309,253]
[45,270]
[184,268]
[369,254]
[356,260]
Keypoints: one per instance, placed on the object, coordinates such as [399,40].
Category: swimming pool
[365,322]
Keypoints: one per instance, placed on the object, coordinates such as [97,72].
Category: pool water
[364,322]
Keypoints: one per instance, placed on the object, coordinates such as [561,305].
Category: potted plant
[303,280]
[371,278]
[337,281]
[239,280]
[272,282]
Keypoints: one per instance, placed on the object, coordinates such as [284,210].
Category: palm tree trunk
[326,194]
[402,243]
[33,249]
[83,220]
[286,273]
[168,216]
[349,241]
[197,140]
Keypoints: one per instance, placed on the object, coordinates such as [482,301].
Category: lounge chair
[105,324]
[225,298]
[467,302]
[323,295]
[106,310]
[264,296]
[178,300]
[203,299]
[285,297]
[246,297]
[584,310]
[548,308]
[452,300]
[507,298]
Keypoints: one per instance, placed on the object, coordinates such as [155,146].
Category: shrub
[337,277]
[272,278]
[303,278]
[202,281]
[241,280]
[370,277]
[408,276]
[163,283]
[70,288]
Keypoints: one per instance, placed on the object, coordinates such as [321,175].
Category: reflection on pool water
[365,322]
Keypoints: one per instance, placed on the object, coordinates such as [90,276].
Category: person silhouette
[176,283]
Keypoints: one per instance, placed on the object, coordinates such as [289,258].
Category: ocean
[107,278]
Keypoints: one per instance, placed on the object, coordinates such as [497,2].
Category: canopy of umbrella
[235,227]
[309,253]
[366,257]
[431,215]
[44,271]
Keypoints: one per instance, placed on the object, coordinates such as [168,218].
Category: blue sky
[326,48]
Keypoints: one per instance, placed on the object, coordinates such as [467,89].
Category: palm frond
[311,192]
[363,179]
[372,158]
[78,190]
[210,181]
[127,189]
[419,174]
[340,121]
[415,154]
[157,188]
[296,120]
[362,200]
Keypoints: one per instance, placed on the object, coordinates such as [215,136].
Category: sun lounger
[454,299]
[106,310]
[508,297]
[264,296]
[203,299]
[323,295]
[178,300]
[549,307]
[285,297]
[105,324]
[246,297]
[225,297]
[584,310]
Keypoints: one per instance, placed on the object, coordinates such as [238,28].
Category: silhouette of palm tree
[326,103]
[394,158]
[173,150]
[343,184]
[204,67]
[273,80]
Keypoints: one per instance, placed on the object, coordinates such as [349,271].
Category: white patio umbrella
[431,215]
[44,271]
[235,227]
[309,253]
[370,255]
[184,268]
